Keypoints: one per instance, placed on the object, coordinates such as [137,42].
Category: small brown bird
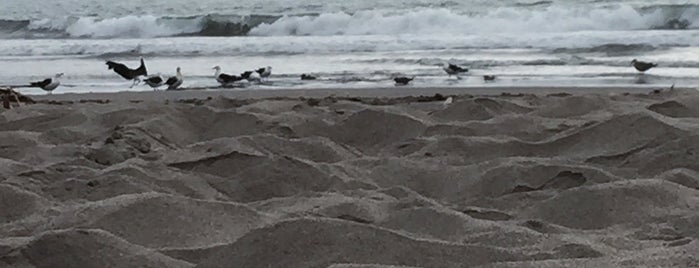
[401,81]
[642,66]
[489,77]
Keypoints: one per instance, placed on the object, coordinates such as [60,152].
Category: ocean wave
[502,20]
[133,26]
[547,18]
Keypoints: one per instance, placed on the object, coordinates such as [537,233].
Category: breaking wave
[550,18]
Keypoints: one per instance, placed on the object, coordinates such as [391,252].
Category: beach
[369,177]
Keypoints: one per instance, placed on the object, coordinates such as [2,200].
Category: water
[362,43]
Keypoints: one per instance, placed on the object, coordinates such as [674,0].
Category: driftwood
[8,96]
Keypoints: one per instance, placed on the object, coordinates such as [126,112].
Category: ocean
[351,44]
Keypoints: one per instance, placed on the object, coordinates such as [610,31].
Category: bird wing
[228,78]
[261,70]
[43,83]
[171,81]
[154,79]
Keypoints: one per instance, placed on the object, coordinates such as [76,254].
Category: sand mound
[572,106]
[478,109]
[632,202]
[370,130]
[515,180]
[316,149]
[86,248]
[347,265]
[527,175]
[222,165]
[523,127]
[673,153]
[158,221]
[682,176]
[434,223]
[17,203]
[638,129]
[674,109]
[321,243]
[458,150]
[275,177]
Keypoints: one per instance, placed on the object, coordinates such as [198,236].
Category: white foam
[127,27]
[431,21]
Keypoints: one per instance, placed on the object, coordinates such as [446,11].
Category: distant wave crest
[551,18]
[503,20]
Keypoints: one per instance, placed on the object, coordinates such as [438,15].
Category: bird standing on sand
[154,81]
[225,79]
[127,73]
[642,66]
[264,72]
[401,81]
[48,84]
[175,81]
[452,69]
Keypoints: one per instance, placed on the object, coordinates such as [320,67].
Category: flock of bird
[140,74]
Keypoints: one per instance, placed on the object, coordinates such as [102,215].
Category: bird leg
[135,81]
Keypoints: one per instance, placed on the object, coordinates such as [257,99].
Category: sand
[597,177]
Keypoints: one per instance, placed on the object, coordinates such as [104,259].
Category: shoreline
[388,92]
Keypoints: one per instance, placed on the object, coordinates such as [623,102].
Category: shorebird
[48,84]
[448,101]
[251,76]
[402,80]
[264,72]
[308,77]
[126,72]
[642,66]
[452,69]
[154,81]
[225,79]
[175,81]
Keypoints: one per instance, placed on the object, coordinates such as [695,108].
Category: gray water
[352,43]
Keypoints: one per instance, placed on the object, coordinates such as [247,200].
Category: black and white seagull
[175,81]
[264,72]
[402,80]
[48,84]
[452,69]
[642,66]
[225,79]
[154,81]
[251,76]
[128,73]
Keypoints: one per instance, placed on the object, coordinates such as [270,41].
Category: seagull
[154,81]
[174,81]
[265,71]
[308,77]
[448,101]
[642,66]
[225,79]
[251,76]
[126,72]
[401,81]
[452,69]
[48,84]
